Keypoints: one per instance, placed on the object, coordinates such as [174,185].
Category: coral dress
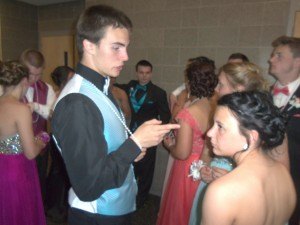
[20,194]
[179,193]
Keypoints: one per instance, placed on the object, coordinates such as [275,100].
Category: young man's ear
[88,46]
[297,60]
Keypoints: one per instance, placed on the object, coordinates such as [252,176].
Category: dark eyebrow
[118,43]
[219,123]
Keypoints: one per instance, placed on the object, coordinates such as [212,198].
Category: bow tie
[284,91]
[141,87]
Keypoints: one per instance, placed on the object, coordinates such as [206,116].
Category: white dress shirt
[280,100]
[179,89]
[43,110]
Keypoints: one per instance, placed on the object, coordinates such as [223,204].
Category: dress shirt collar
[91,75]
[145,85]
[291,86]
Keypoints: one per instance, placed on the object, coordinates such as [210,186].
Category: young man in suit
[40,97]
[90,129]
[147,101]
[285,67]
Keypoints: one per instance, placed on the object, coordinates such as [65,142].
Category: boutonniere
[131,91]
[294,102]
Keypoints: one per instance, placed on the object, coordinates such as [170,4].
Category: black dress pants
[144,171]
[58,185]
[80,217]
[42,165]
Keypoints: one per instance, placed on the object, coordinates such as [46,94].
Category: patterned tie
[284,91]
[140,91]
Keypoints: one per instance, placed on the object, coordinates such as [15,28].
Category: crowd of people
[233,139]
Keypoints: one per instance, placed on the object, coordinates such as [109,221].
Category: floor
[145,216]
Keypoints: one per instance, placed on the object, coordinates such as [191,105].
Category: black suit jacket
[155,105]
[293,134]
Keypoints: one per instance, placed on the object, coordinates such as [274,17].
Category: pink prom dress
[180,190]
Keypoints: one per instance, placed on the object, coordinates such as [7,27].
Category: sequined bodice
[11,145]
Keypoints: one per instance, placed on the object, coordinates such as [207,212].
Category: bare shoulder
[221,201]
[21,110]
[230,187]
[122,93]
[119,93]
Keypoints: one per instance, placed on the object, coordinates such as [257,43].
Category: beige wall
[18,27]
[294,7]
[168,32]
[296,30]
[59,19]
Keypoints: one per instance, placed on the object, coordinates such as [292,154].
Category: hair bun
[12,72]
[256,111]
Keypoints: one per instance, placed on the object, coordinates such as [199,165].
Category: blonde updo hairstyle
[11,73]
[244,74]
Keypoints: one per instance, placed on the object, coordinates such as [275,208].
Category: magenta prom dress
[20,195]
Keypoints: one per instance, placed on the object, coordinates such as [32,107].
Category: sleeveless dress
[196,211]
[180,190]
[20,194]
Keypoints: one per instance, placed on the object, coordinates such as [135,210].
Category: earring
[245,147]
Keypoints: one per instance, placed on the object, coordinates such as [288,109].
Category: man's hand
[152,132]
[31,106]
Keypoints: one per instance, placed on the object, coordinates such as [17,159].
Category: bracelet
[136,141]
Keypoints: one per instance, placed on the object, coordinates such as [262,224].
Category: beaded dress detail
[20,195]
[11,145]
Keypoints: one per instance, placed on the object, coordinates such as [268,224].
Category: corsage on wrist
[195,169]
[43,136]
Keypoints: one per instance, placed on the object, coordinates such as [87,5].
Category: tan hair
[245,74]
[33,58]
[292,42]
[11,73]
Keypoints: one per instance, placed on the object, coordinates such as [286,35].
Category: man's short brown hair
[33,58]
[94,21]
[292,42]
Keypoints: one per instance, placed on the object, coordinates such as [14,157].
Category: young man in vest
[40,97]
[97,147]
[147,101]
[285,67]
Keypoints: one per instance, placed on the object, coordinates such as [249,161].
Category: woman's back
[261,187]
[275,184]
[18,175]
[15,118]
[11,111]
[197,116]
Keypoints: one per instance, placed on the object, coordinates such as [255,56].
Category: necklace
[120,118]
[195,100]
[35,89]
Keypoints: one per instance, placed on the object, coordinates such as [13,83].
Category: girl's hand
[206,174]
[218,172]
[168,141]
